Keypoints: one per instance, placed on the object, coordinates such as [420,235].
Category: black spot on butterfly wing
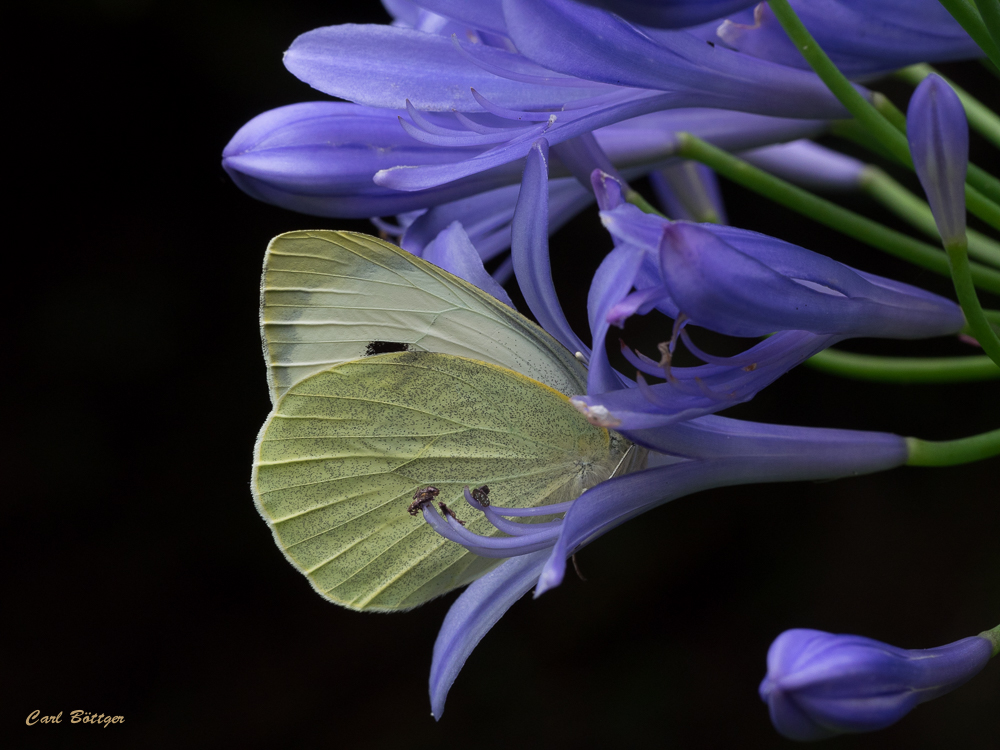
[385,347]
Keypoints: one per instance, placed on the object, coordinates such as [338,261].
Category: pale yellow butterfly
[478,397]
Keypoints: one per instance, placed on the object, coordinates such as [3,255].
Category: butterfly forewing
[326,297]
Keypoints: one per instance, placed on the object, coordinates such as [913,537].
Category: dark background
[142,581]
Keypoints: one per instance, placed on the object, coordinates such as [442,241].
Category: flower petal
[454,252]
[689,191]
[671,14]
[614,277]
[596,45]
[530,250]
[485,15]
[862,37]
[804,452]
[696,391]
[351,62]
[472,615]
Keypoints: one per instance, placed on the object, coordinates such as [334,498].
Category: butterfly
[389,375]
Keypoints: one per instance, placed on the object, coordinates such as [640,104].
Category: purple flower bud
[319,158]
[939,142]
[819,685]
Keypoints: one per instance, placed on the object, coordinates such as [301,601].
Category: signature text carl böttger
[75,717]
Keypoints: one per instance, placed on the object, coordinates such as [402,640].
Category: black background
[142,582]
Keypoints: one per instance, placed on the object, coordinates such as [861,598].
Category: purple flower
[862,37]
[696,455]
[738,283]
[746,284]
[939,143]
[575,69]
[321,157]
[819,685]
[683,458]
[565,53]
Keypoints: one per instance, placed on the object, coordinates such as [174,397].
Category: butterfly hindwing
[344,450]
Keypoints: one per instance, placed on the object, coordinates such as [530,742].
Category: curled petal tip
[549,579]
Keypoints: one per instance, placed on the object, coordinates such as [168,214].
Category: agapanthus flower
[575,69]
[819,685]
[863,37]
[491,123]
[321,158]
[738,283]
[683,458]
[717,453]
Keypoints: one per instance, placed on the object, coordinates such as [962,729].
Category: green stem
[635,198]
[967,298]
[981,206]
[862,110]
[965,13]
[953,452]
[989,13]
[884,106]
[993,316]
[854,131]
[981,118]
[865,112]
[905,369]
[825,212]
[909,207]
[993,636]
[983,181]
